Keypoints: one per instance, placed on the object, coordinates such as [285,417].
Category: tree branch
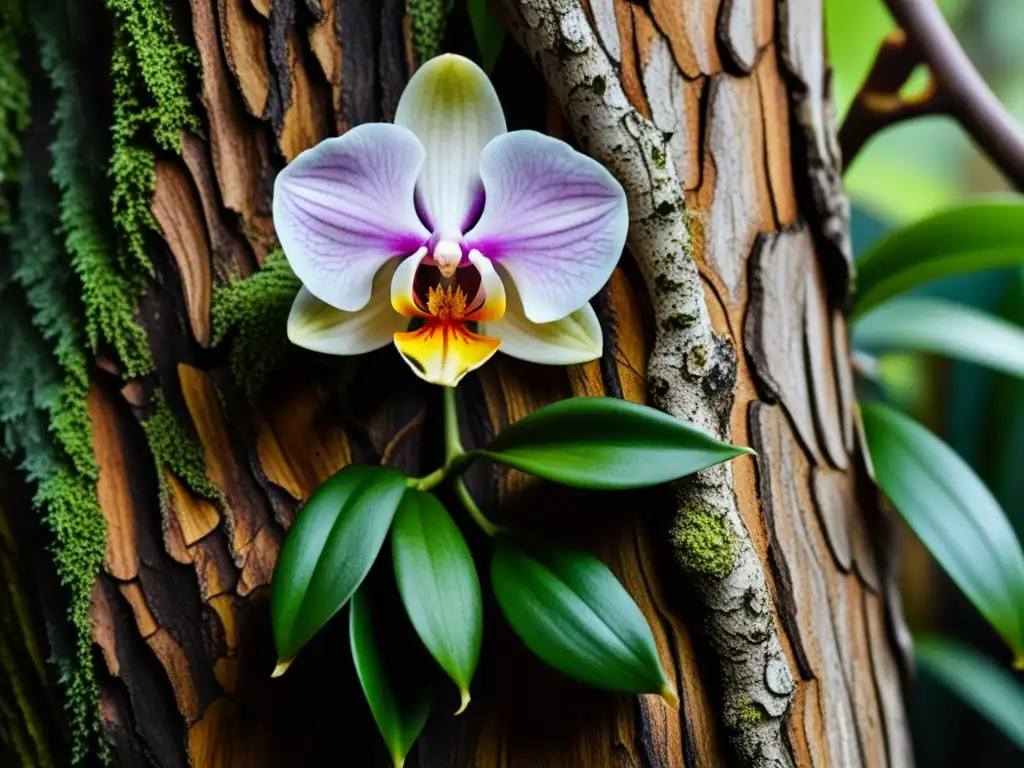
[879,103]
[958,91]
[691,370]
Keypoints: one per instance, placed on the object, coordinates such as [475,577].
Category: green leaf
[328,552]
[399,695]
[944,328]
[606,443]
[953,514]
[981,235]
[569,610]
[488,31]
[439,586]
[991,690]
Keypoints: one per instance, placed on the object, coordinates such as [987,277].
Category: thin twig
[958,90]
[879,102]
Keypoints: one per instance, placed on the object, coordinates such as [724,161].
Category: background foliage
[905,173]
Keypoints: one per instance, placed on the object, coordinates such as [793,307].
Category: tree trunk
[768,582]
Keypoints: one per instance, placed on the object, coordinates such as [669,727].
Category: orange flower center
[447,304]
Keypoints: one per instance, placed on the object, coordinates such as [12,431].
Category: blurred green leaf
[606,443]
[991,690]
[974,237]
[953,514]
[399,695]
[944,328]
[569,610]
[328,552]
[488,31]
[439,586]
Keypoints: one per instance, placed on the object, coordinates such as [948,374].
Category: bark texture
[768,582]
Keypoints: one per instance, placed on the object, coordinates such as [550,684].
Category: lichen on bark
[691,369]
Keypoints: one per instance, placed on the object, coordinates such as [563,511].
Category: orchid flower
[445,218]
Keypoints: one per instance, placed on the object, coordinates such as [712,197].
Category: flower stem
[455,455]
[452,440]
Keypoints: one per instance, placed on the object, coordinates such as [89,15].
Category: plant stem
[455,456]
[452,440]
[474,511]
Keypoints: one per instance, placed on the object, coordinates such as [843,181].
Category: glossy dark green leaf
[569,610]
[399,695]
[991,690]
[953,514]
[488,31]
[944,328]
[981,235]
[328,552]
[606,443]
[439,586]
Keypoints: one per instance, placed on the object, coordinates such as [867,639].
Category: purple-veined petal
[403,295]
[452,108]
[346,206]
[576,338]
[489,302]
[320,327]
[555,219]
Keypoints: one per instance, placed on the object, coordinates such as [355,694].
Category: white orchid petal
[346,206]
[318,326]
[576,338]
[555,219]
[452,108]
[403,296]
[491,296]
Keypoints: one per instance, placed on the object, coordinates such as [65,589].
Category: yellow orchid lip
[443,350]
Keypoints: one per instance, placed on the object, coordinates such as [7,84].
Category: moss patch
[750,711]
[705,543]
[429,19]
[172,446]
[13,100]
[78,162]
[151,71]
[252,314]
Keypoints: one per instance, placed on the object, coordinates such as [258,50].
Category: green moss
[78,153]
[666,284]
[705,543]
[750,711]
[172,446]
[254,313]
[74,516]
[658,156]
[13,100]
[598,85]
[429,19]
[151,71]
[699,356]
[679,320]
[148,48]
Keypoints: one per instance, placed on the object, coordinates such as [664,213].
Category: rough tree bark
[768,582]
